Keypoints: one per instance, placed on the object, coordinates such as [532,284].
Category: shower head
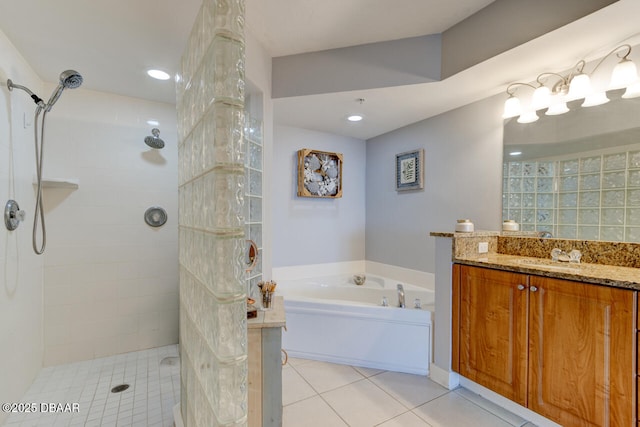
[154,141]
[68,79]
[71,79]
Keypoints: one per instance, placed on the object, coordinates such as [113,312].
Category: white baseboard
[449,380]
[507,404]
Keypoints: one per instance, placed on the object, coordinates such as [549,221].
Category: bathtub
[332,319]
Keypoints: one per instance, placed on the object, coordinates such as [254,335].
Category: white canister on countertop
[464,226]
[510,225]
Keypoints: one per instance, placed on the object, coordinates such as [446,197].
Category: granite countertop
[274,318]
[620,277]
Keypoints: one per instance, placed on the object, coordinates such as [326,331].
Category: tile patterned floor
[315,394]
[154,390]
[327,395]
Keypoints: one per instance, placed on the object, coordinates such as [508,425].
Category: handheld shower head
[71,79]
[68,79]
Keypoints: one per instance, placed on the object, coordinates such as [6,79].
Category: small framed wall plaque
[410,170]
[319,174]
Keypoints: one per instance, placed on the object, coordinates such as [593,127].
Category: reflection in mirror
[251,256]
[577,175]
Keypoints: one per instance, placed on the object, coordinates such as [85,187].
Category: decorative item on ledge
[410,170]
[319,174]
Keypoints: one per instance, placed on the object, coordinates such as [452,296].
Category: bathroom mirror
[577,174]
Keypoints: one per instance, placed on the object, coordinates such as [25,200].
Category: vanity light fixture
[158,74]
[552,91]
[515,153]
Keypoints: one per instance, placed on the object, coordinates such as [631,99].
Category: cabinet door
[492,331]
[581,353]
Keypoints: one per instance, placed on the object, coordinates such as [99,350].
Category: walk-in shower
[69,79]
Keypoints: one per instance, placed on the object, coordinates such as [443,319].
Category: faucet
[400,296]
[560,255]
[545,234]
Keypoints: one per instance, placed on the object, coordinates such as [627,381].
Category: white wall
[21,270]
[111,281]
[463,179]
[315,230]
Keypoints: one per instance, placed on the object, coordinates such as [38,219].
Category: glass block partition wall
[213,330]
[594,197]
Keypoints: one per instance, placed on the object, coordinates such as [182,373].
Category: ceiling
[113,44]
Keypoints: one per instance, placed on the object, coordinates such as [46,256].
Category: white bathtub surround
[331,319]
[403,275]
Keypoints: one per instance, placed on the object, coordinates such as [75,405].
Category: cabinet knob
[521,287]
[533,288]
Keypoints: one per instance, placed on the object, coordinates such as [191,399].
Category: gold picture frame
[319,174]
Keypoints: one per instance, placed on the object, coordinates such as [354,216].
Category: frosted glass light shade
[541,98]
[632,91]
[512,107]
[528,117]
[557,108]
[596,98]
[624,74]
[579,87]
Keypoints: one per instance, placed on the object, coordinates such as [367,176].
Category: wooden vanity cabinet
[492,332]
[564,349]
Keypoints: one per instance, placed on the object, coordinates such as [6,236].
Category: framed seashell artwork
[410,170]
[319,174]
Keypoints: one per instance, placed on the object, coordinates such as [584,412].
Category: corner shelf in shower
[70,183]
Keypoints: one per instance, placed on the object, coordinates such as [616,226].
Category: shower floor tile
[86,386]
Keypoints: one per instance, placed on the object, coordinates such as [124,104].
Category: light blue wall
[315,230]
[463,175]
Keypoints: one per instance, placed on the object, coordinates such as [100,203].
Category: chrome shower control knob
[13,215]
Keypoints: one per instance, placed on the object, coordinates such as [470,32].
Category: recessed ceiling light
[158,74]
[355,118]
[515,153]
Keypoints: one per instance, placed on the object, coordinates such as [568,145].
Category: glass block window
[253,196]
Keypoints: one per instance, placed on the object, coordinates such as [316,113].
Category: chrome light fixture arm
[619,55]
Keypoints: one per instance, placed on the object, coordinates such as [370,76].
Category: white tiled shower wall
[107,282]
[110,280]
[21,270]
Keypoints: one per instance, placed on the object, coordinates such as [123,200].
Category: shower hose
[39,210]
